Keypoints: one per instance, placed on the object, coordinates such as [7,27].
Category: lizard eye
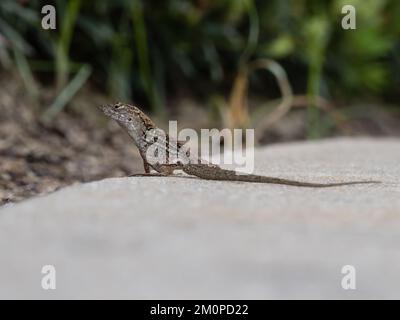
[129,119]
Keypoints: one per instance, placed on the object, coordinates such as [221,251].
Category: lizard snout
[107,109]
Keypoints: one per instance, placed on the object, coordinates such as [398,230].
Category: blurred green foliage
[152,50]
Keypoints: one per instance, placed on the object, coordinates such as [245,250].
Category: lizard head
[129,117]
[119,111]
[126,115]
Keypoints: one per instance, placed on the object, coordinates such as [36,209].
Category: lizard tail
[263,179]
[213,172]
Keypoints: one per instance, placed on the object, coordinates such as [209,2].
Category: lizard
[137,124]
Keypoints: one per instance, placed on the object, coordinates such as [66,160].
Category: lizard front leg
[146,165]
[162,171]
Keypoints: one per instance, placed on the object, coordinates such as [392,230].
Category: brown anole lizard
[138,125]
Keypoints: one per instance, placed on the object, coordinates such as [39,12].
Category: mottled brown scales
[138,124]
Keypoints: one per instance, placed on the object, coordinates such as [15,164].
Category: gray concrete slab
[166,238]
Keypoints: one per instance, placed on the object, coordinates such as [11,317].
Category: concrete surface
[187,238]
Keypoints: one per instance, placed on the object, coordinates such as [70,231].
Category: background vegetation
[207,63]
[152,51]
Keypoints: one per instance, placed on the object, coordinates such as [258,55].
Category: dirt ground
[81,145]
[38,158]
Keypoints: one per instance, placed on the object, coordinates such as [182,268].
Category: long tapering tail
[213,172]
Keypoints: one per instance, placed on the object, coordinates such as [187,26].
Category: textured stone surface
[188,238]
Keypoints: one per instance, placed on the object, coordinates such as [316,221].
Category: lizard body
[138,124]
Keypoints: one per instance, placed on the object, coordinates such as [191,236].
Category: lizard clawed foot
[147,175]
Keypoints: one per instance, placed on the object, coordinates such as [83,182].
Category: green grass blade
[64,42]
[140,34]
[27,76]
[67,93]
